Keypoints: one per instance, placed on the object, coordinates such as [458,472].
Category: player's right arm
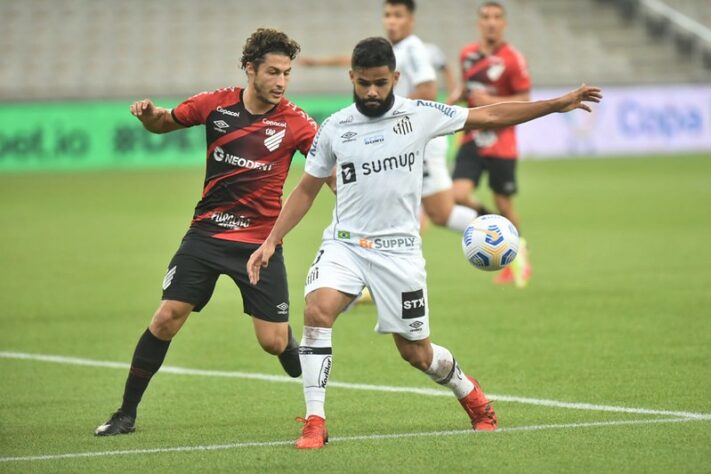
[154,119]
[297,205]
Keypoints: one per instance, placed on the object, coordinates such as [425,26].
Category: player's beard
[263,95]
[369,111]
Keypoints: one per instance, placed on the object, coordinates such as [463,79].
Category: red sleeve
[306,128]
[520,80]
[194,111]
[305,136]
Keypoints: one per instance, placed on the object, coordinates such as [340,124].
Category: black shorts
[470,165]
[200,260]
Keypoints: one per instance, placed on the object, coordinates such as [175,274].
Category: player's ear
[350,74]
[396,77]
[250,69]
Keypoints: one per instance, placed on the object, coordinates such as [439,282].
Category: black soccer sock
[147,359]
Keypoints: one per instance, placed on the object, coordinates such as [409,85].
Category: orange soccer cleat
[479,409]
[314,435]
[504,277]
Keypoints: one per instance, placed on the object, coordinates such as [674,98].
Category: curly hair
[267,40]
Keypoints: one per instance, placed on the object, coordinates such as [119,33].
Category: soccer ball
[490,242]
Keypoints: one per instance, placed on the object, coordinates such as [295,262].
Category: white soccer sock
[460,218]
[316,361]
[445,371]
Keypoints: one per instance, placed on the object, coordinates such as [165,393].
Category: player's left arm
[481,97]
[506,114]
[295,208]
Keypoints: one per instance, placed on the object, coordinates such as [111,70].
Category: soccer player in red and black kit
[252,135]
[492,71]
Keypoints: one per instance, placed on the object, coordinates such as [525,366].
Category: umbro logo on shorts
[413,304]
[169,277]
[283,308]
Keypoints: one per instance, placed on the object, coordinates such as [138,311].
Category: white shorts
[397,283]
[436,174]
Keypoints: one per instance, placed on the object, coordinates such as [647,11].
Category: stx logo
[413,304]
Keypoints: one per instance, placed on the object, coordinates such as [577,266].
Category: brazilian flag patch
[344,234]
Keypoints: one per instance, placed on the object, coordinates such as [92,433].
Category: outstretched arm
[313,61]
[506,114]
[295,207]
[154,119]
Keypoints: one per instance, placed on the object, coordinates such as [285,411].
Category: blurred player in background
[439,62]
[252,135]
[492,71]
[374,237]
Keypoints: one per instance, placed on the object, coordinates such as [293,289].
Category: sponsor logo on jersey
[373,139]
[348,173]
[283,308]
[220,126]
[348,137]
[273,142]
[227,112]
[344,234]
[269,132]
[387,244]
[413,304]
[273,123]
[445,109]
[229,221]
[222,156]
[406,160]
[403,126]
[399,111]
[169,277]
[346,120]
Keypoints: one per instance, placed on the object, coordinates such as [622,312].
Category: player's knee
[167,321]
[415,358]
[316,315]
[273,344]
[439,217]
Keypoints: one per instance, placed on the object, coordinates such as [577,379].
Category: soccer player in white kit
[377,146]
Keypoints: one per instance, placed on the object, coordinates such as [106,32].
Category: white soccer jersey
[379,170]
[414,63]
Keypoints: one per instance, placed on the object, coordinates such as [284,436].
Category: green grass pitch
[618,313]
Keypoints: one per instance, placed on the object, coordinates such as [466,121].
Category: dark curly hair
[373,52]
[267,40]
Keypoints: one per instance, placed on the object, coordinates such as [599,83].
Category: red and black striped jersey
[248,159]
[501,73]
